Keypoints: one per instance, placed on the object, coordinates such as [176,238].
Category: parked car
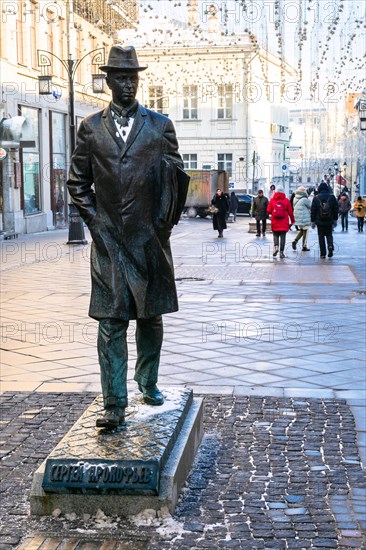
[245,203]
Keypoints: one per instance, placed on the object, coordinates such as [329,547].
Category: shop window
[58,168]
[30,160]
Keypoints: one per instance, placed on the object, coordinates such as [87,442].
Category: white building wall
[255,110]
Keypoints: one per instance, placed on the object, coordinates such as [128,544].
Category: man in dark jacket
[344,206]
[259,212]
[130,155]
[324,214]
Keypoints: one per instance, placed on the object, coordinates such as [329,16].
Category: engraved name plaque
[94,476]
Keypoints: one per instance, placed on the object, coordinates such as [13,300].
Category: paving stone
[349,543]
[351,533]
[228,487]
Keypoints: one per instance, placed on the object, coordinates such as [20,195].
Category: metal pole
[254,159]
[70,64]
[76,227]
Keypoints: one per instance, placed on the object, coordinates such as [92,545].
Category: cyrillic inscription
[71,476]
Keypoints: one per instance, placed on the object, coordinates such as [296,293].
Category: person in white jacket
[302,207]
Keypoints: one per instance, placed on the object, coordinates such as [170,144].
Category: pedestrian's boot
[220,235]
[111,418]
[282,254]
[275,251]
[152,395]
[294,243]
[330,252]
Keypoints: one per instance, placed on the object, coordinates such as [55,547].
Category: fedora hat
[122,59]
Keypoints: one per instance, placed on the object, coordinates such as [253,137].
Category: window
[33,35]
[61,43]
[20,37]
[190,161]
[190,102]
[225,107]
[156,100]
[225,162]
[58,168]
[30,162]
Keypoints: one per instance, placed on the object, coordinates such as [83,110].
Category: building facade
[35,37]
[225,95]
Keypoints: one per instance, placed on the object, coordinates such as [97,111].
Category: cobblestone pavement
[271,473]
[276,347]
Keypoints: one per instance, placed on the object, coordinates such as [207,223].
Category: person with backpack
[324,215]
[280,210]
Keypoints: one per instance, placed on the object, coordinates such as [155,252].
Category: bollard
[76,227]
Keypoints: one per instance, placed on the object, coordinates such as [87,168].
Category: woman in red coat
[280,209]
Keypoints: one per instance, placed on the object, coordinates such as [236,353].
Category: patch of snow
[165,525]
[172,401]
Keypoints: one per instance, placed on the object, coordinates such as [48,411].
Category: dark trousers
[113,355]
[325,233]
[360,222]
[279,238]
[264,226]
[344,220]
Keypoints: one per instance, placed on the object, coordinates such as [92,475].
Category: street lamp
[76,227]
[331,177]
[336,170]
[71,66]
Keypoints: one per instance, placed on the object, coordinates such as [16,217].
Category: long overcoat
[117,188]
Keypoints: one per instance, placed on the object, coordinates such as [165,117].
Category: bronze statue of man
[126,182]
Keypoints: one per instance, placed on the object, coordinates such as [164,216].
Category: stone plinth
[140,465]
[253,226]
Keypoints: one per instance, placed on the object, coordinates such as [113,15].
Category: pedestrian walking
[344,206]
[281,212]
[360,208]
[302,207]
[234,205]
[259,212]
[124,182]
[220,202]
[324,215]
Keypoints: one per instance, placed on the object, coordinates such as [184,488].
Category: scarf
[122,115]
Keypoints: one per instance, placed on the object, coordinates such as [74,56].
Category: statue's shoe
[152,395]
[112,418]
